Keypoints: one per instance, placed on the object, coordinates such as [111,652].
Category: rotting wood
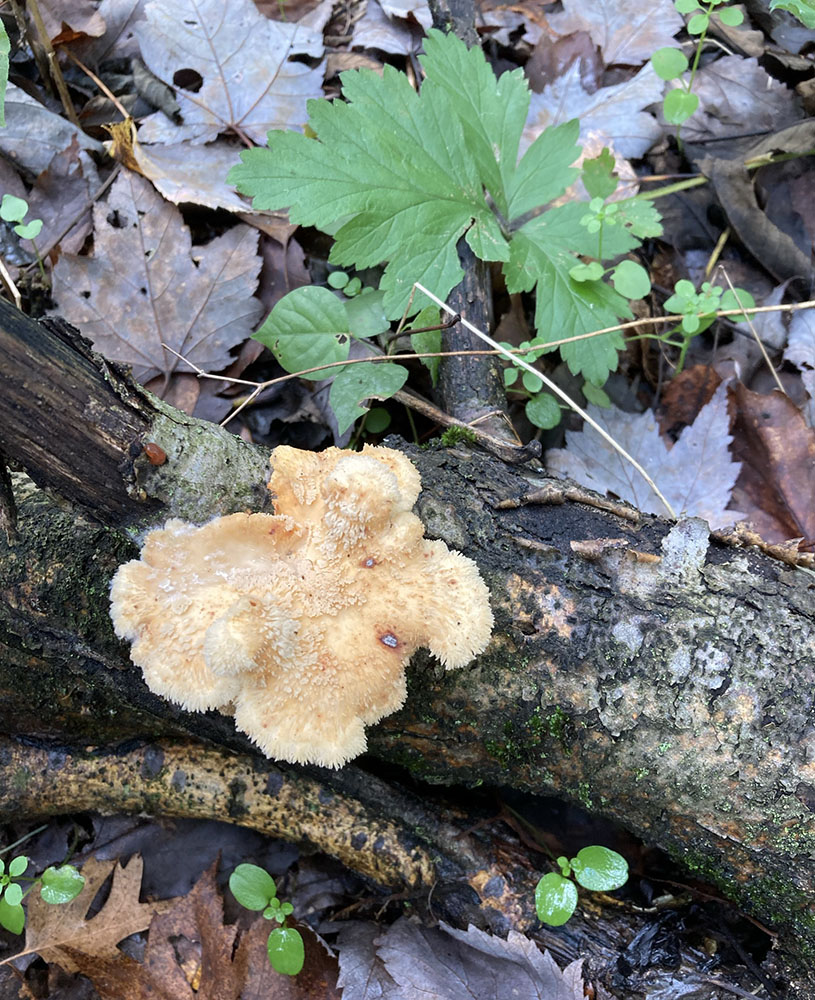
[634,668]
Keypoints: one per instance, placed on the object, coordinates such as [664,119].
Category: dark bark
[640,669]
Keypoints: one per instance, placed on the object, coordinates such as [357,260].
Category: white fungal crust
[303,620]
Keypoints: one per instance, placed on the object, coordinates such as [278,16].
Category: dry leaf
[696,475]
[627,31]
[81,17]
[614,112]
[684,397]
[59,195]
[192,955]
[50,930]
[146,284]
[777,483]
[733,91]
[33,134]
[230,67]
[801,341]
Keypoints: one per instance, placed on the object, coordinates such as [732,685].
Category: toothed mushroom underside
[302,621]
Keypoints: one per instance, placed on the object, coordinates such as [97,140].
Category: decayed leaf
[777,483]
[375,30]
[614,112]
[448,964]
[50,930]
[59,195]
[363,975]
[79,17]
[801,341]
[248,83]
[734,90]
[627,31]
[192,955]
[696,475]
[33,134]
[146,285]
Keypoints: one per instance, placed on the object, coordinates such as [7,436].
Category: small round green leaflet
[359,382]
[587,272]
[731,17]
[337,279]
[29,231]
[13,894]
[285,950]
[679,105]
[12,917]
[543,411]
[253,887]
[698,24]
[594,394]
[555,899]
[17,866]
[378,419]
[61,885]
[532,383]
[600,869]
[13,209]
[669,63]
[631,280]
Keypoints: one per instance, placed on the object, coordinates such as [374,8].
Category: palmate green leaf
[394,164]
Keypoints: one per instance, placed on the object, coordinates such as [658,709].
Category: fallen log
[638,667]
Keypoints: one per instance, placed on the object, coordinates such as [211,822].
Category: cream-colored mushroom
[302,621]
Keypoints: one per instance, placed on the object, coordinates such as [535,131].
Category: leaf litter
[766,472]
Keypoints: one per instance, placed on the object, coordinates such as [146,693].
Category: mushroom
[301,622]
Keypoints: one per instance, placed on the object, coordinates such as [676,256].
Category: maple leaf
[696,475]
[236,64]
[146,285]
[627,31]
[52,930]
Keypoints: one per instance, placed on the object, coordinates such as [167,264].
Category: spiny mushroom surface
[302,621]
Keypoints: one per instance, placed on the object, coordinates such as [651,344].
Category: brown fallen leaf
[147,285]
[777,480]
[192,955]
[52,931]
[684,397]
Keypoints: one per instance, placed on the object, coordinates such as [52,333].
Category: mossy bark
[640,669]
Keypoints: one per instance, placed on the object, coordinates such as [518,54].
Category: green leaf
[366,314]
[307,327]
[737,299]
[29,231]
[511,376]
[492,112]
[594,394]
[698,24]
[587,272]
[5,49]
[286,951]
[391,162]
[13,894]
[686,6]
[359,382]
[337,279]
[429,341]
[12,917]
[669,63]
[18,866]
[354,287]
[253,887]
[532,383]
[13,209]
[600,869]
[679,105]
[555,899]
[598,175]
[542,258]
[640,217]
[804,10]
[543,411]
[61,885]
[631,280]
[731,16]
[545,171]
[378,420]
